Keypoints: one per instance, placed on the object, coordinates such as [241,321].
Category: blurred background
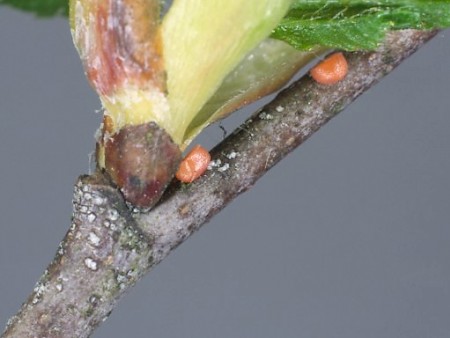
[347,237]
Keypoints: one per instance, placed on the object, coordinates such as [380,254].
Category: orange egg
[331,70]
[193,165]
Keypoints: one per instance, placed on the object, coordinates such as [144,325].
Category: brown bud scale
[141,160]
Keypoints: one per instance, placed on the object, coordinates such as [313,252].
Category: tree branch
[109,247]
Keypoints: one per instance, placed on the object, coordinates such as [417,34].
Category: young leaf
[358,24]
[40,7]
[263,71]
[203,42]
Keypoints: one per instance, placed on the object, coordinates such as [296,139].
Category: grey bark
[109,247]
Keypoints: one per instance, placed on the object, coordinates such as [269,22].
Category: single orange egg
[193,165]
[331,70]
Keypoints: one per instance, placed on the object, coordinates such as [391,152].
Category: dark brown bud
[141,160]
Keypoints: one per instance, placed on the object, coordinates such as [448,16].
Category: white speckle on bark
[265,116]
[214,164]
[279,109]
[98,200]
[113,215]
[91,217]
[232,155]
[224,168]
[61,249]
[39,290]
[121,280]
[94,239]
[11,321]
[91,264]
[131,273]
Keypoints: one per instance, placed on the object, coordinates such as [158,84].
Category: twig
[109,248]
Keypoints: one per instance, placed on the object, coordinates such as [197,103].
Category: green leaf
[356,24]
[42,8]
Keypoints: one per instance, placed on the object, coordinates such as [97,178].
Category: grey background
[347,237]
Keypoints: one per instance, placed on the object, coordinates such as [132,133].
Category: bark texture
[109,247]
